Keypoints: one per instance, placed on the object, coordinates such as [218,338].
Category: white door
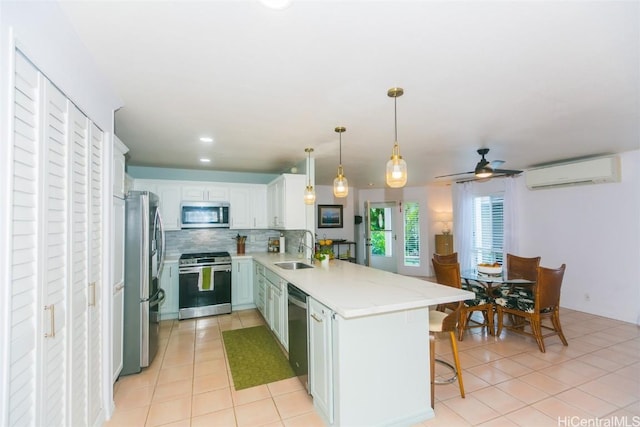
[54,251]
[27,328]
[381,236]
[96,221]
[79,334]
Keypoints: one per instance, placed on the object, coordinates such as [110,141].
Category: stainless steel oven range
[205,284]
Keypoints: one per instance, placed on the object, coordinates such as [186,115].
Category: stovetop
[205,258]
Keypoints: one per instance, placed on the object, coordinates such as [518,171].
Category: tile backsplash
[222,239]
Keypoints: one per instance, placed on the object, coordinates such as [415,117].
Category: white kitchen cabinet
[242,283]
[248,206]
[170,195]
[276,306]
[285,202]
[117,252]
[119,163]
[205,193]
[170,283]
[321,357]
[259,288]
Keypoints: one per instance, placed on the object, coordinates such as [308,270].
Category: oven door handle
[190,270]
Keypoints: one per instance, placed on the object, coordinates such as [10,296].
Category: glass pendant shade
[309,192]
[340,183]
[309,195]
[396,176]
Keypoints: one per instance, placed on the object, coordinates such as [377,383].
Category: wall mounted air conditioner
[587,171]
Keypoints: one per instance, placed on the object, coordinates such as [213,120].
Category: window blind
[488,229]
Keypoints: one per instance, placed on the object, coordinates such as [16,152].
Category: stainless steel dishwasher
[298,342]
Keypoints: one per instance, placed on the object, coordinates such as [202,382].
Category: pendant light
[309,193]
[396,167]
[340,184]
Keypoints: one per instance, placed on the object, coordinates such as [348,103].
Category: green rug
[255,357]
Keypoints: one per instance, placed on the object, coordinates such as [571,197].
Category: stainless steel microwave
[204,215]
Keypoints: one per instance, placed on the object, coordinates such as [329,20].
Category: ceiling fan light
[483,171]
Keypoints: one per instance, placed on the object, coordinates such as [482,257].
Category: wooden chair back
[547,288]
[447,274]
[446,259]
[522,268]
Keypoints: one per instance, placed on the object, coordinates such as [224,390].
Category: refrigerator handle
[162,241]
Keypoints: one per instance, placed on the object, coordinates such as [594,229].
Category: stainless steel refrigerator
[144,257]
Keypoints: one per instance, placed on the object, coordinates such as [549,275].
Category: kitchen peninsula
[369,340]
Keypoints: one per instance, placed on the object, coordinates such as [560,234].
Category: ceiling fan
[485,169]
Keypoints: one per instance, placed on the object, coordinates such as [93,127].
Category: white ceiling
[534,81]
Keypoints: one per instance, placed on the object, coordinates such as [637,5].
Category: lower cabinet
[275,305]
[321,358]
[242,284]
[259,289]
[169,281]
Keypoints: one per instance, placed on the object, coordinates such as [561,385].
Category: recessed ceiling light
[206,139]
[205,160]
[276,4]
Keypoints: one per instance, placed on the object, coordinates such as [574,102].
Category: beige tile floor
[508,381]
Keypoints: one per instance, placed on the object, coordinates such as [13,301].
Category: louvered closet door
[54,258]
[79,266]
[95,272]
[26,318]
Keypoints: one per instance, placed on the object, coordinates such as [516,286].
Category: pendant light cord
[395,115]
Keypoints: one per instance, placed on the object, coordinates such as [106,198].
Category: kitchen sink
[293,265]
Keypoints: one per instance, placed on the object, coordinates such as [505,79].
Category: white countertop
[353,290]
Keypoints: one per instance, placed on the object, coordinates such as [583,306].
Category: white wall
[595,230]
[324,196]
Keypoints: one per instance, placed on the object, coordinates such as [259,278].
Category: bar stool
[440,321]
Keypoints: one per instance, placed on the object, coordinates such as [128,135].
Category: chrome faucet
[311,248]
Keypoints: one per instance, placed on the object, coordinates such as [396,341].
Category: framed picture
[330,216]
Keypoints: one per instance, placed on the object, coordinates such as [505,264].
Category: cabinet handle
[52,317]
[316,318]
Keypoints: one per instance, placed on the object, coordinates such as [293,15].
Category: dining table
[492,282]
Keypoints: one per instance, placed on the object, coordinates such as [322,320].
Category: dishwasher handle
[297,302]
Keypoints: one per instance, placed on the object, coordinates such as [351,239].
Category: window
[412,234]
[488,229]
[381,232]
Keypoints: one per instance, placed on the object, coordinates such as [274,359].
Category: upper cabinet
[205,193]
[285,207]
[119,150]
[248,206]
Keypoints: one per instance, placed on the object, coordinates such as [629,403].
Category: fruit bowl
[492,269]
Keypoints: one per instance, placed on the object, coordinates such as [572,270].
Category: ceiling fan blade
[507,171]
[454,174]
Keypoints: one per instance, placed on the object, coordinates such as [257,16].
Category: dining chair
[522,268]
[449,275]
[451,258]
[533,305]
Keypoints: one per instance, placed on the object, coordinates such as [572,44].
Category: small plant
[324,250]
